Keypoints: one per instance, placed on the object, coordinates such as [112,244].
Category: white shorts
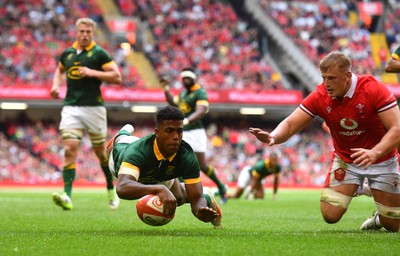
[383,176]
[197,139]
[244,177]
[91,119]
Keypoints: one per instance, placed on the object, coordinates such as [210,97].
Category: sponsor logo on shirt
[349,124]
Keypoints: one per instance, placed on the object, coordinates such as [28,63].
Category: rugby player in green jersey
[153,164]
[84,66]
[252,175]
[193,102]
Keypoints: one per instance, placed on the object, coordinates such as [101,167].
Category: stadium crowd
[33,34]
[35,153]
[319,27]
[208,36]
[205,34]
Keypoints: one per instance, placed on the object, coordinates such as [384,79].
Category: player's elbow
[124,192]
[121,192]
[390,66]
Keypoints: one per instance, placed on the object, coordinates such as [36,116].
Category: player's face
[336,82]
[84,35]
[273,160]
[169,136]
[187,82]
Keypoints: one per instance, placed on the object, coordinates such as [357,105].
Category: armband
[166,88]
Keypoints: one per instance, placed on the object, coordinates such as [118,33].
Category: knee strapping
[71,134]
[388,211]
[98,139]
[335,198]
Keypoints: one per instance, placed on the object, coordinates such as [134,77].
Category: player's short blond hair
[335,58]
[86,21]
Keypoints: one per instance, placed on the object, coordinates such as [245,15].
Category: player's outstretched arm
[292,124]
[262,136]
[199,204]
[392,66]
[206,214]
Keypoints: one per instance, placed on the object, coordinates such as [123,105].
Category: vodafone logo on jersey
[348,123]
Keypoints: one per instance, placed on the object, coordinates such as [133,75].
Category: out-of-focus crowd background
[226,51]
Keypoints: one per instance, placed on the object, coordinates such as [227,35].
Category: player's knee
[70,152]
[389,216]
[333,205]
[335,198]
[72,134]
[98,139]
[330,217]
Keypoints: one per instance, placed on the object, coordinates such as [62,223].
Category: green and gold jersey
[263,168]
[84,91]
[144,160]
[187,101]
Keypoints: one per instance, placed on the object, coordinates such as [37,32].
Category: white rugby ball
[150,210]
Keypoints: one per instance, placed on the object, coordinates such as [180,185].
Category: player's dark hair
[169,113]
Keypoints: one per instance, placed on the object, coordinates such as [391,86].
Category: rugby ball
[150,210]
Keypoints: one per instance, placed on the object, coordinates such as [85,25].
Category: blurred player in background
[364,122]
[193,102]
[251,177]
[84,66]
[152,165]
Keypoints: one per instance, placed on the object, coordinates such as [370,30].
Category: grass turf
[30,224]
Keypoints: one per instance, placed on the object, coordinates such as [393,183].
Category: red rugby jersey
[354,121]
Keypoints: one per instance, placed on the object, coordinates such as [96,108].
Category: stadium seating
[319,27]
[34,33]
[205,35]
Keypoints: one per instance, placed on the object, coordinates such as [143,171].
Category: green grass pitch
[30,224]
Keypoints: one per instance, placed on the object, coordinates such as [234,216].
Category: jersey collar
[87,48]
[158,154]
[195,87]
[352,88]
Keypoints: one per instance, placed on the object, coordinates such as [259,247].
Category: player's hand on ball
[169,202]
[206,214]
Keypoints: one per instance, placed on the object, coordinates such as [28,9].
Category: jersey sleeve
[396,54]
[383,97]
[192,169]
[132,163]
[105,58]
[310,104]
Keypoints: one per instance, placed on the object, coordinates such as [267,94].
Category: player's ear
[156,132]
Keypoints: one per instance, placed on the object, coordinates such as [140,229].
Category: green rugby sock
[109,177]
[211,174]
[68,178]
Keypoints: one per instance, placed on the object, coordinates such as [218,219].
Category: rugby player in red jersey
[364,121]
